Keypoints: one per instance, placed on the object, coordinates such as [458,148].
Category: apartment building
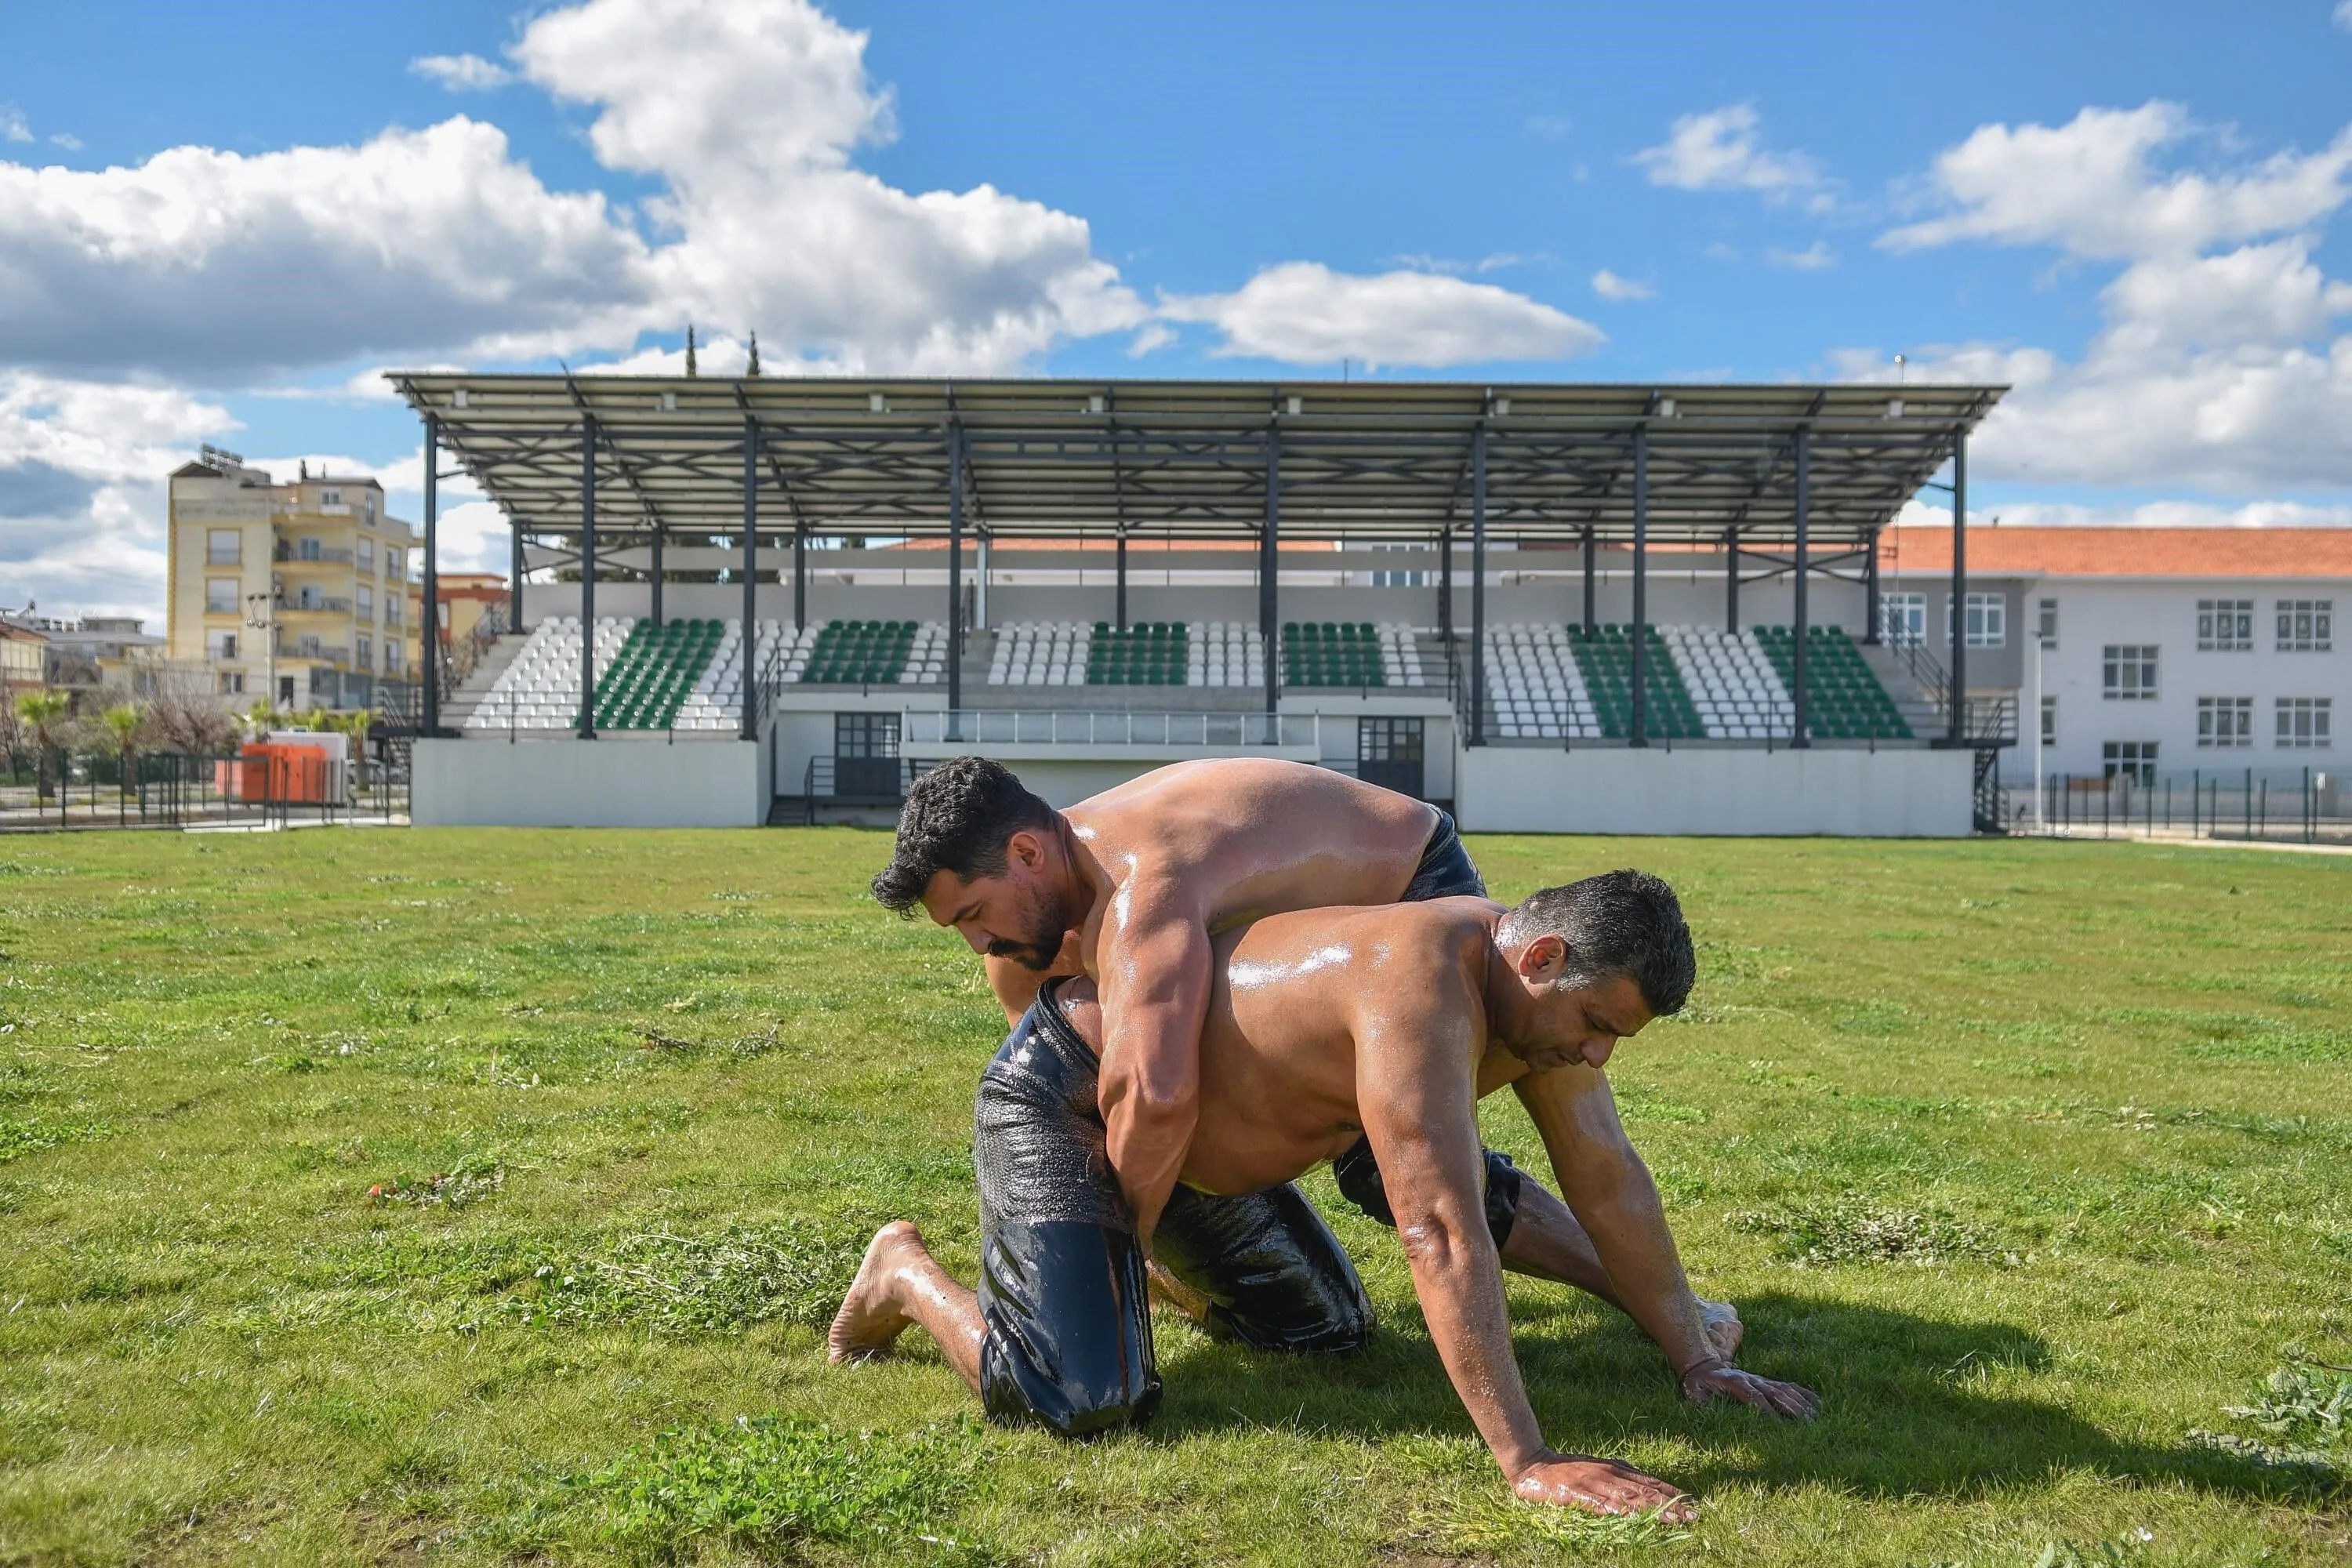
[305,593]
[2140,650]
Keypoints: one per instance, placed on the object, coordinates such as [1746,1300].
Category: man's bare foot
[1600,1485]
[869,1319]
[1176,1293]
[1723,1330]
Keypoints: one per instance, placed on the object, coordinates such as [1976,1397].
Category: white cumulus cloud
[1302,312]
[1619,291]
[2092,187]
[1815,258]
[2219,363]
[461,73]
[1721,150]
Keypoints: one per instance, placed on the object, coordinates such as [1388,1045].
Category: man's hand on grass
[1600,1486]
[1713,1379]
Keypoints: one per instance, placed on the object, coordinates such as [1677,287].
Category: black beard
[1028,955]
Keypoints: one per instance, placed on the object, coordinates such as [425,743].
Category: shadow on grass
[1904,1407]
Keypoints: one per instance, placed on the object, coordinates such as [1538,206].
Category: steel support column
[1269,573]
[955,567]
[1959,630]
[1637,732]
[1872,613]
[1120,615]
[1478,586]
[800,577]
[1445,591]
[430,640]
[656,574]
[587,577]
[751,577]
[1731,580]
[514,580]
[1799,732]
[979,622]
[1591,580]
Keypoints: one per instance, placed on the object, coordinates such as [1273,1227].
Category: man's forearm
[1629,1231]
[1460,1284]
[1147,1145]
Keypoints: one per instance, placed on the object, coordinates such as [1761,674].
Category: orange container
[294,776]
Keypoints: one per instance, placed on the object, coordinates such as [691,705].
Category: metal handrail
[1059,726]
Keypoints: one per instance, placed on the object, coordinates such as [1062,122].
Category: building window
[2225,626]
[2127,672]
[1902,619]
[2307,626]
[1988,620]
[2302,722]
[367,555]
[224,547]
[2050,721]
[305,550]
[2047,623]
[391,609]
[441,615]
[368,507]
[2131,759]
[866,734]
[392,659]
[330,497]
[232,683]
[220,595]
[1390,740]
[367,603]
[2225,720]
[224,645]
[395,563]
[363,653]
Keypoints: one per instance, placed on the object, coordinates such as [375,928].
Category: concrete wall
[592,784]
[1887,793]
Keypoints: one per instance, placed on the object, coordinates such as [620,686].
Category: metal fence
[2299,805]
[78,791]
[1060,726]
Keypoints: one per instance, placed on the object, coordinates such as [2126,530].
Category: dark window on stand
[865,755]
[1389,753]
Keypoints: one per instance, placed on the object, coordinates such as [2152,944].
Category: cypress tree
[690,369]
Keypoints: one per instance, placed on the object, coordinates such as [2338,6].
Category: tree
[689,350]
[123,722]
[754,368]
[42,713]
[187,718]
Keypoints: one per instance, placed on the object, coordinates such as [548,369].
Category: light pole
[259,617]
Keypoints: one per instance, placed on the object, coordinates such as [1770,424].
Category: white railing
[1067,727]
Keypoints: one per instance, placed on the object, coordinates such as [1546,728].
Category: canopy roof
[1191,459]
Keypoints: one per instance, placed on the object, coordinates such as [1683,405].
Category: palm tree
[42,710]
[122,723]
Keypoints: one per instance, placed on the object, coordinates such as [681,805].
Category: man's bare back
[1132,890]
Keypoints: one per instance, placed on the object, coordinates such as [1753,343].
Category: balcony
[307,648]
[319,604]
[321,557]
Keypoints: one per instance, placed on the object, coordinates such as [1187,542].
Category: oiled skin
[1390,1022]
[1172,857]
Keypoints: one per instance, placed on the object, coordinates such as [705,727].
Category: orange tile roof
[2125,551]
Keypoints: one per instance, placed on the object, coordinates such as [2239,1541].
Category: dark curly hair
[1621,922]
[957,817]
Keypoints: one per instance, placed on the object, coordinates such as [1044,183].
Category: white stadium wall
[1906,794]
[609,783]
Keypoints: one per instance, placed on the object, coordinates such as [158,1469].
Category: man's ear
[1543,960]
[1025,849]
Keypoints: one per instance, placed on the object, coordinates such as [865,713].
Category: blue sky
[215,223]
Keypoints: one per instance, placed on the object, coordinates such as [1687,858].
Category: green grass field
[480,1197]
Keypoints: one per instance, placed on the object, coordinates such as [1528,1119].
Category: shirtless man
[1321,1029]
[1128,889]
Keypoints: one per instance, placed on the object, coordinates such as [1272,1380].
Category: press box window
[2225,626]
[2127,672]
[220,595]
[2307,626]
[224,547]
[2302,722]
[2225,720]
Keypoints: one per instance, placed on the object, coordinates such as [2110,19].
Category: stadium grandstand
[1575,607]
